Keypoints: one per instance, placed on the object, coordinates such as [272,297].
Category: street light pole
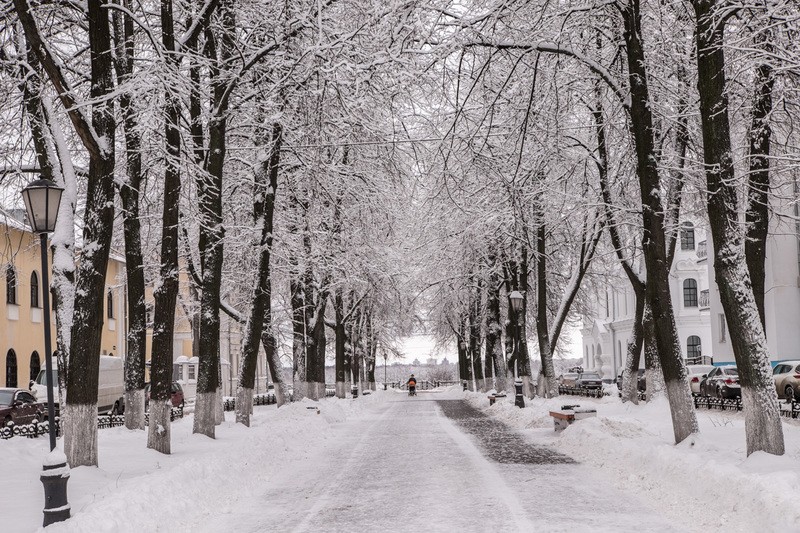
[516,300]
[42,199]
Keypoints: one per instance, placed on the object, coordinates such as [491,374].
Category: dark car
[176,395]
[589,380]
[18,407]
[641,380]
[569,379]
[722,382]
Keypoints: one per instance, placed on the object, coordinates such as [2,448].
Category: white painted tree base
[134,409]
[158,434]
[204,414]
[79,427]
[244,406]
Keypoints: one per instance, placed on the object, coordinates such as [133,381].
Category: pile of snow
[136,489]
[705,483]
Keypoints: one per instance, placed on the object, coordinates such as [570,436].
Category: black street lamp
[42,199]
[385,359]
[516,300]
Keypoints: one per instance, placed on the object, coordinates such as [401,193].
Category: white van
[110,385]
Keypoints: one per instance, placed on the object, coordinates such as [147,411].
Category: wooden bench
[564,417]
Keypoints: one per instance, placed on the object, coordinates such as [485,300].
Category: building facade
[781,283]
[609,326]
[21,320]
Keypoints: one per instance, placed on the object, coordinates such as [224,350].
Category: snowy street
[441,461]
[409,465]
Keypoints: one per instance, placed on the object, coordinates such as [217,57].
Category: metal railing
[577,391]
[38,429]
[265,398]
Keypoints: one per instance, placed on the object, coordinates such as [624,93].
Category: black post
[55,474]
[519,399]
[48,353]
[384,371]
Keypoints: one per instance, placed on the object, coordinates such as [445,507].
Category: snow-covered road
[407,466]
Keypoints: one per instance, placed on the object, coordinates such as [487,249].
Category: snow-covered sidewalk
[707,483]
[387,462]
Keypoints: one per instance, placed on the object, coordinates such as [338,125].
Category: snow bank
[136,489]
[704,483]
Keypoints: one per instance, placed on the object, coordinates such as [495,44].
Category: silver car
[696,373]
[787,379]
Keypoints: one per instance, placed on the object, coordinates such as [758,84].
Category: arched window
[110,304]
[34,289]
[687,236]
[690,293]
[36,365]
[11,369]
[11,285]
[693,348]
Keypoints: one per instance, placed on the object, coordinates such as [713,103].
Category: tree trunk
[299,379]
[129,195]
[762,419]
[494,329]
[475,336]
[684,419]
[654,377]
[757,215]
[274,363]
[210,186]
[340,332]
[266,183]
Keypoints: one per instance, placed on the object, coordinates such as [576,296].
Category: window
[687,236]
[192,372]
[34,289]
[722,328]
[690,293]
[36,365]
[11,285]
[110,304]
[11,369]
[693,349]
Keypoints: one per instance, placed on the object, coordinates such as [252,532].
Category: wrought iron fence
[38,429]
[577,391]
[229,403]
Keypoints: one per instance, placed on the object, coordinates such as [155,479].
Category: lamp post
[516,299]
[42,199]
[385,359]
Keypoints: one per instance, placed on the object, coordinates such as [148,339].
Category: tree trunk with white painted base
[158,436]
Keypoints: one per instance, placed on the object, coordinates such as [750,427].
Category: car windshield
[41,379]
[591,375]
[731,371]
[6,397]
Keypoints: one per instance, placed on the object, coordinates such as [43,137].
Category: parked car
[110,385]
[722,382]
[641,382]
[176,396]
[787,379]
[696,373]
[589,380]
[568,379]
[19,407]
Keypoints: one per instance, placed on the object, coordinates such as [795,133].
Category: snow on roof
[182,359]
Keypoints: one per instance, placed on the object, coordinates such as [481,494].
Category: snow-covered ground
[707,483]
[370,463]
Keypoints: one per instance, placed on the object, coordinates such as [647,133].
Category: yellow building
[21,324]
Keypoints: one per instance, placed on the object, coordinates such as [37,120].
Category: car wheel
[115,410]
[719,393]
[7,421]
[35,419]
[183,403]
[789,392]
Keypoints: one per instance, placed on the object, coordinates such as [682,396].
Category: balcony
[704,302]
[702,251]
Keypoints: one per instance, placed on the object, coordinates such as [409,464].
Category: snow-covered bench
[568,414]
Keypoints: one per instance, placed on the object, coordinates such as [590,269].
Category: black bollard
[54,478]
[519,400]
[355,391]
[464,385]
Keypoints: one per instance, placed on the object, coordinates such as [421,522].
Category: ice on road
[427,465]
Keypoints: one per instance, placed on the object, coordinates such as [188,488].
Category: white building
[781,284]
[607,331]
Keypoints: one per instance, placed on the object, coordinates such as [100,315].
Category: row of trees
[350,170]
[567,121]
[213,142]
